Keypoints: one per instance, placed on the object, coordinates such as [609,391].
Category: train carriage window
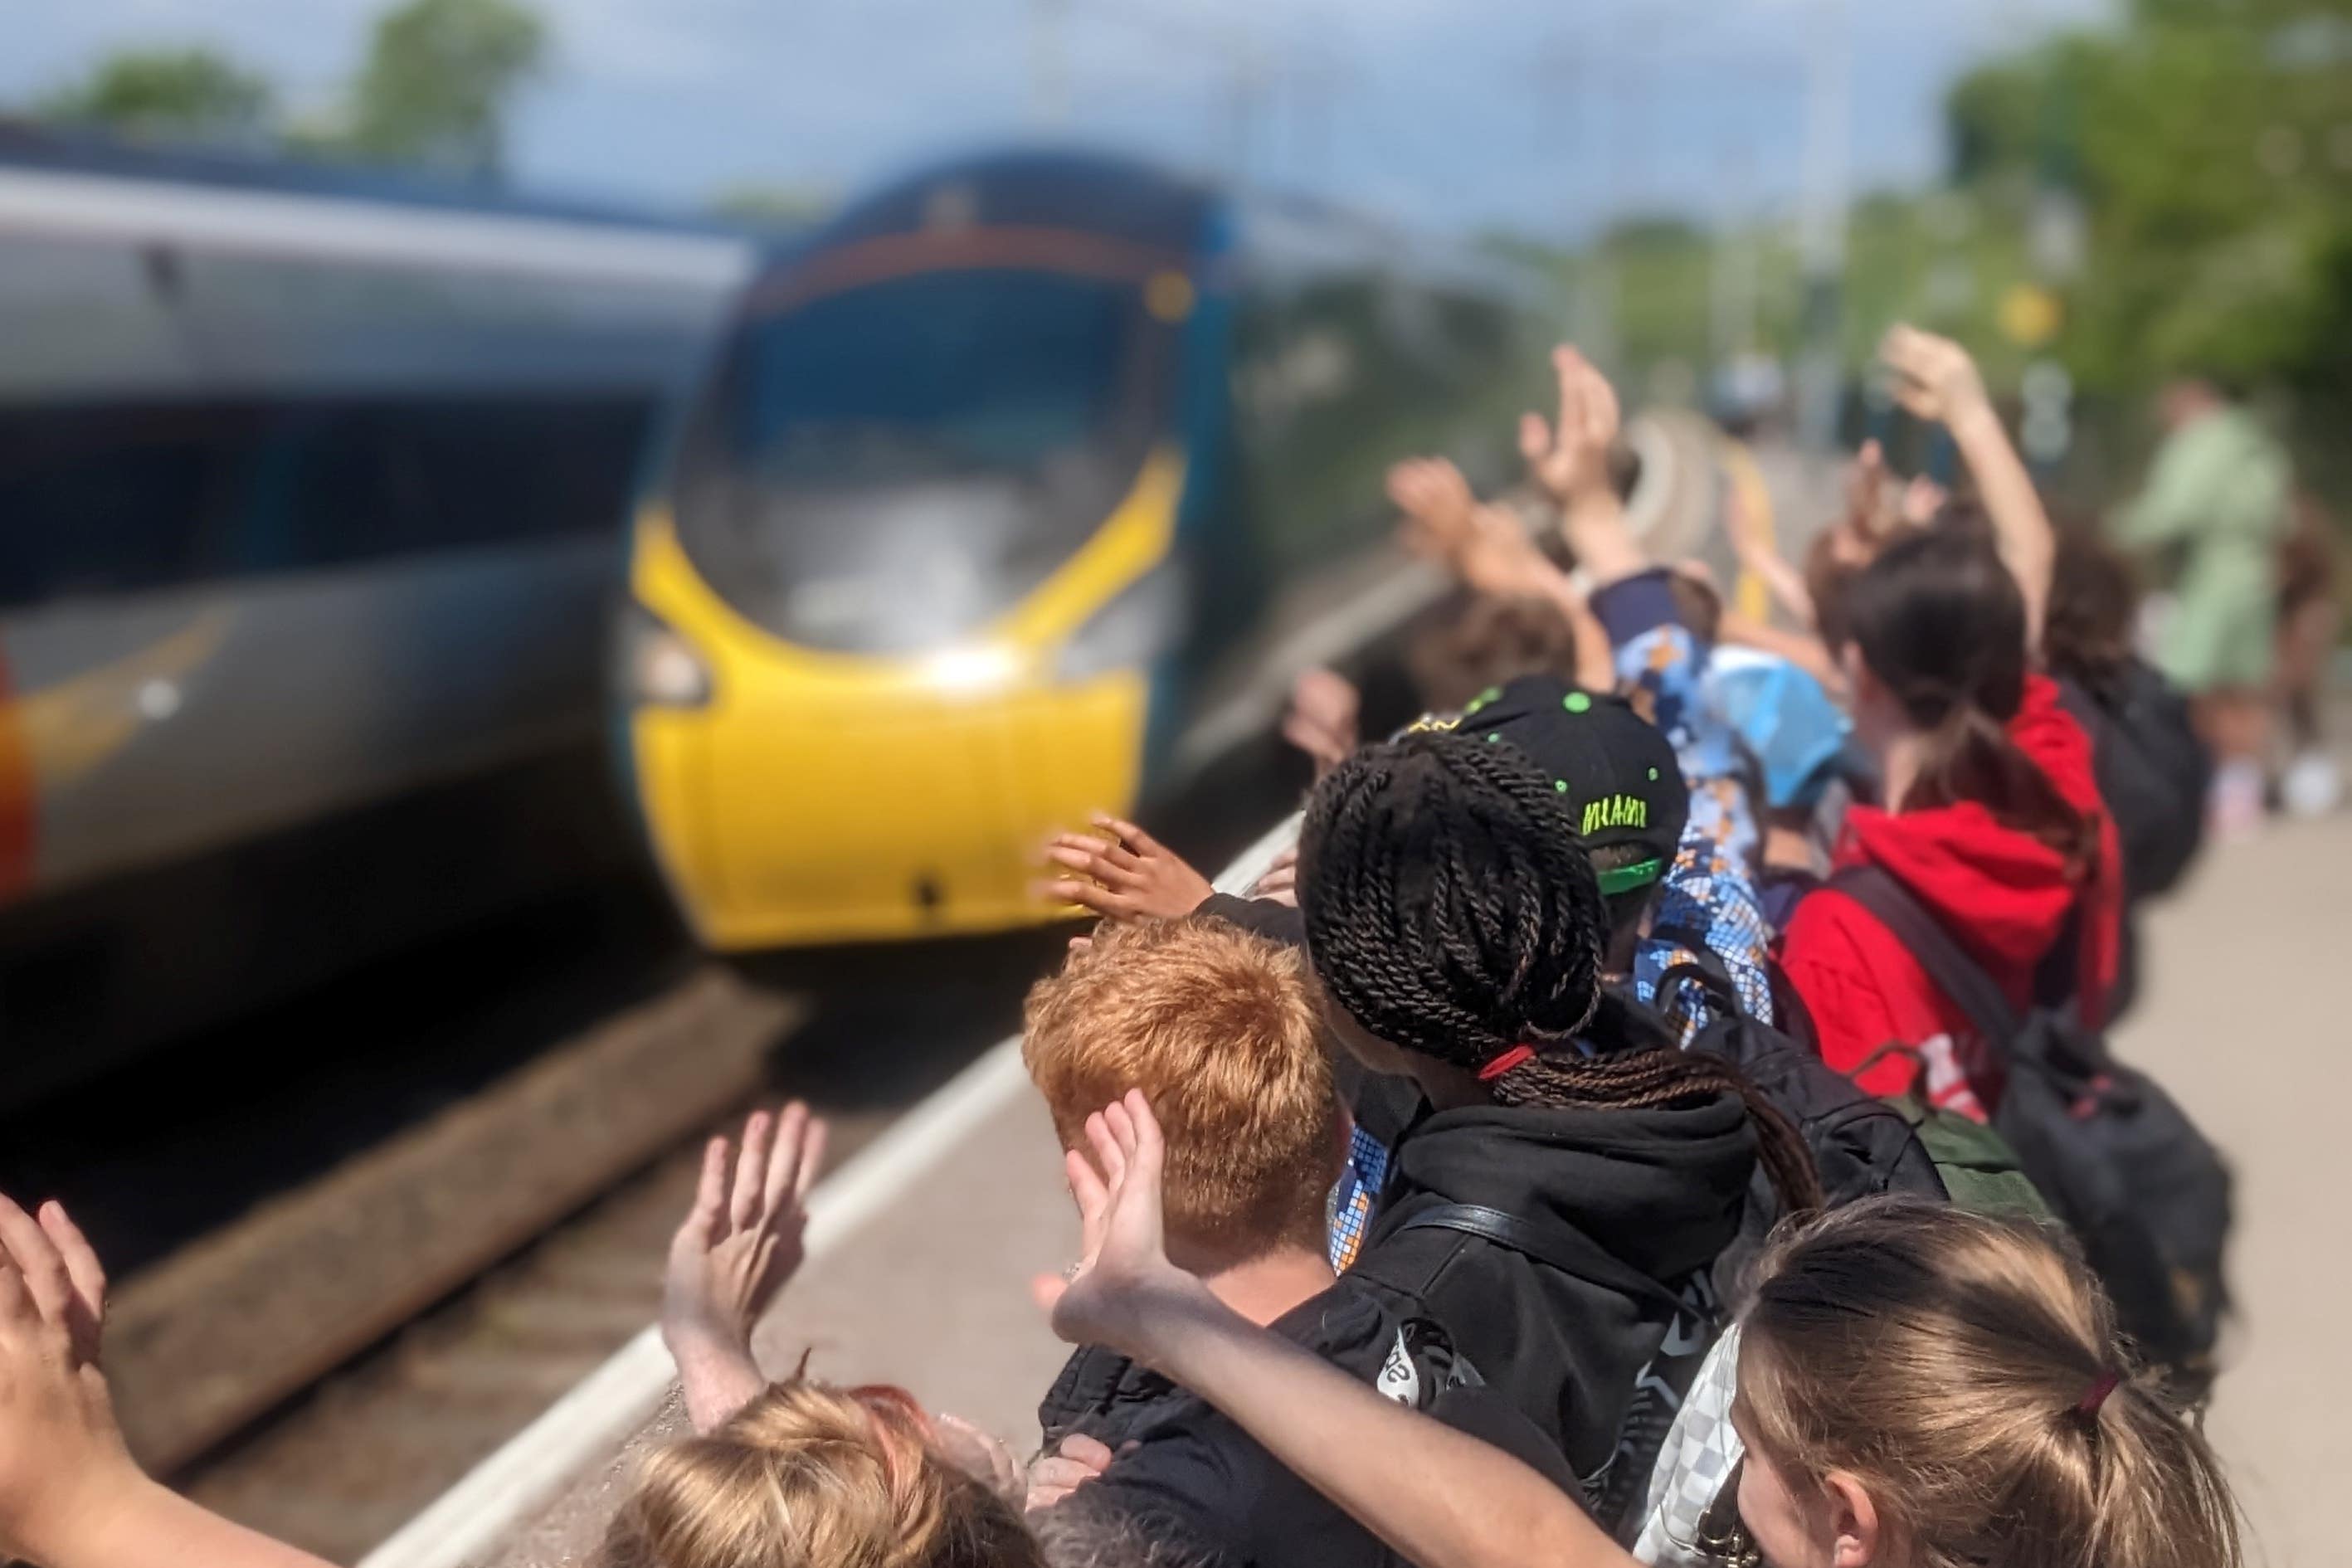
[884,467]
[103,500]
[125,498]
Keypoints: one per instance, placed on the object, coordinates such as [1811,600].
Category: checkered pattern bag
[1700,1454]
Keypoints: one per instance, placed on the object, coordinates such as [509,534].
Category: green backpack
[1980,1171]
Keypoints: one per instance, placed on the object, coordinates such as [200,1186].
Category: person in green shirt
[2211,520]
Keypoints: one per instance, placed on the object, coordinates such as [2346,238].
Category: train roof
[1101,193]
[26,144]
[79,186]
[1128,199]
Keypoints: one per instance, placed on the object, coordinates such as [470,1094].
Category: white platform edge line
[598,1414]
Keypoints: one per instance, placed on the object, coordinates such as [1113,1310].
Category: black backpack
[2144,1192]
[1861,1145]
[2152,770]
[1689,1321]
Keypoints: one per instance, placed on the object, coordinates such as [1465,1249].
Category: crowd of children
[1658,1112]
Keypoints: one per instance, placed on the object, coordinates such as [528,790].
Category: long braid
[1452,912]
[1638,1079]
[1449,908]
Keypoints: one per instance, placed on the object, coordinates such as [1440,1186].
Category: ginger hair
[808,1475]
[1218,1026]
[1943,1360]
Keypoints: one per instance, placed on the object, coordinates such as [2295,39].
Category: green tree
[192,93]
[439,79]
[2209,143]
[784,208]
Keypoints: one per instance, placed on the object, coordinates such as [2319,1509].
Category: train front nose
[818,800]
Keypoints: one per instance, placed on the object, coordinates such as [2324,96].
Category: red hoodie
[2003,894]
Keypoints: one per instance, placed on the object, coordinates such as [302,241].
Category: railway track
[331,1358]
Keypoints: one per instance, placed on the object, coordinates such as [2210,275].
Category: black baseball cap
[1616,770]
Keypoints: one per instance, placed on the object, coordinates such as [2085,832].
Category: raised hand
[1321,722]
[1437,502]
[981,1455]
[61,1452]
[1865,520]
[741,1241]
[1131,876]
[1569,457]
[1922,500]
[1075,1461]
[1124,1292]
[1499,558]
[1933,378]
[1279,881]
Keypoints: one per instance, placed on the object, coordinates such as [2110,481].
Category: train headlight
[962,670]
[662,669]
[1141,623]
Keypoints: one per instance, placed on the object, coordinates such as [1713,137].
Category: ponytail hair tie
[1505,1062]
[2096,1394]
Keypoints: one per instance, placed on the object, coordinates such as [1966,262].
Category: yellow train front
[997,492]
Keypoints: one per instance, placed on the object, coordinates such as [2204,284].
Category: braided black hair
[1631,1080]
[1449,908]
[1451,912]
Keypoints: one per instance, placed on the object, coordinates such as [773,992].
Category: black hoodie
[1187,1477]
[1594,1342]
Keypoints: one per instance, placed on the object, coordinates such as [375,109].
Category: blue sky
[1503,113]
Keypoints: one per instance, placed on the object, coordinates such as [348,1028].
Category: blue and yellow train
[1019,491]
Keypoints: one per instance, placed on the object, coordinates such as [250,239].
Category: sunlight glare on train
[977,668]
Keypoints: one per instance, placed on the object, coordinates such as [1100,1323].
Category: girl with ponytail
[1991,817]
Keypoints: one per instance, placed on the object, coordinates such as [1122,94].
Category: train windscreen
[884,468]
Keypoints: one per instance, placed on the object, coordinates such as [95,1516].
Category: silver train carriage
[308,486]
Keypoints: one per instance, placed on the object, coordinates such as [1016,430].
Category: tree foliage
[180,94]
[785,208]
[439,78]
[434,91]
[2211,144]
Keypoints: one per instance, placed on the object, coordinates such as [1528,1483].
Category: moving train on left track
[1022,489]
[307,490]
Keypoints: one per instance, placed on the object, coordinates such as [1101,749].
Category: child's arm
[1518,567]
[1751,541]
[1571,461]
[1935,379]
[70,1494]
[736,1248]
[1486,547]
[1439,1497]
[1122,873]
[1801,649]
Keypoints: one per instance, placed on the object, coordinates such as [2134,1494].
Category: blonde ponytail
[1966,1370]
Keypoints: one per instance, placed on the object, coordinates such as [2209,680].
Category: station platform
[923,1247]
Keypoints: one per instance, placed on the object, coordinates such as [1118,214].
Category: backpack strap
[1712,980]
[1948,964]
[1564,1251]
[1702,967]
